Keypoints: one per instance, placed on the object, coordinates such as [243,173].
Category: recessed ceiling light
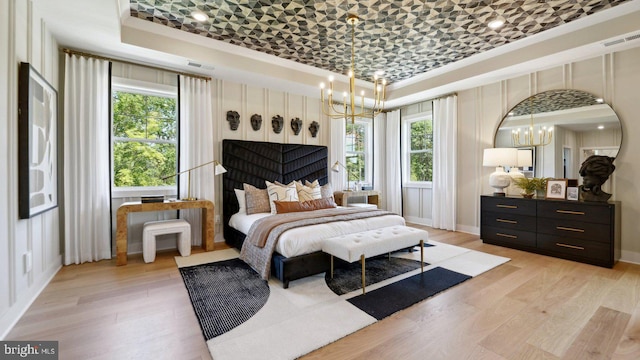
[199,15]
[600,127]
[496,23]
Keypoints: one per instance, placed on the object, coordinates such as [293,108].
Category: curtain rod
[79,53]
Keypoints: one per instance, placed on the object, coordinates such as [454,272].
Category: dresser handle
[507,235]
[570,246]
[570,212]
[507,206]
[507,221]
[569,229]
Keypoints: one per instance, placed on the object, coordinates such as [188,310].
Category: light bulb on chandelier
[330,107]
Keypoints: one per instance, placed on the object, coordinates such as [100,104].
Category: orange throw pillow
[297,206]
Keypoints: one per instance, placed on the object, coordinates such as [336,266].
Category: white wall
[24,37]
[614,77]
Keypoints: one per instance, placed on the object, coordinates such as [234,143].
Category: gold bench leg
[421,255]
[362,261]
[332,266]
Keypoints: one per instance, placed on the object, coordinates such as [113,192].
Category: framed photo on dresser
[557,189]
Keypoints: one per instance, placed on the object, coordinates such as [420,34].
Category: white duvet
[308,239]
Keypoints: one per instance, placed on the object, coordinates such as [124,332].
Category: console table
[587,232]
[137,206]
[371,197]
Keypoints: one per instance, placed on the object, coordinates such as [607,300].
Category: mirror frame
[575,99]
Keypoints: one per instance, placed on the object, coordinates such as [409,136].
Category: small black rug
[387,300]
[224,294]
[349,277]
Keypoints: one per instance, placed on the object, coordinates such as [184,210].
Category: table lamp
[336,168]
[524,160]
[499,158]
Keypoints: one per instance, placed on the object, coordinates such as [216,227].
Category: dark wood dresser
[587,232]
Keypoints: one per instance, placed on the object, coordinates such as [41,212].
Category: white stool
[152,229]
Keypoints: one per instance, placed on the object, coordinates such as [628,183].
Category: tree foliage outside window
[421,151]
[144,139]
[355,152]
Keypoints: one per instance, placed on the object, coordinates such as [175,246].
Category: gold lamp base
[189,199]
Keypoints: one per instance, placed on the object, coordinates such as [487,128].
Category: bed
[254,162]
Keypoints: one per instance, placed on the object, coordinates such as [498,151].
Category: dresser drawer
[575,247]
[575,229]
[508,205]
[509,221]
[600,213]
[502,235]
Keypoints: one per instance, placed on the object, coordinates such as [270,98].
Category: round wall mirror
[557,130]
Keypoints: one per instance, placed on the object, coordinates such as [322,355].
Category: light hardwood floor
[533,307]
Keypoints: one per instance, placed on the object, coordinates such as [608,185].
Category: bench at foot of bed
[366,244]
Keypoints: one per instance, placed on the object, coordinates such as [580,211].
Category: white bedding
[308,239]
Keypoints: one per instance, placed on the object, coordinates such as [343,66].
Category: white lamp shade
[500,157]
[524,158]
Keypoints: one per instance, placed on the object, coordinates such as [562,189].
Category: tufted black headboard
[253,162]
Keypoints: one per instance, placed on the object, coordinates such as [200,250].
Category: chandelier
[528,136]
[333,109]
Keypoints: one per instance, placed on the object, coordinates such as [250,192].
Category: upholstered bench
[151,229]
[366,244]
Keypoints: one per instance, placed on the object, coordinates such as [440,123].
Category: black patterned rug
[349,277]
[399,295]
[224,294]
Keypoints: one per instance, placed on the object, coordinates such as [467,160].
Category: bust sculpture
[595,171]
[234,119]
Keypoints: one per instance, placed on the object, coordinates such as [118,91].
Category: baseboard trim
[17,310]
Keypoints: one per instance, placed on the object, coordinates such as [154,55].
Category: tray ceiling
[404,38]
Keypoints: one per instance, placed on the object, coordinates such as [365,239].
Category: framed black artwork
[37,143]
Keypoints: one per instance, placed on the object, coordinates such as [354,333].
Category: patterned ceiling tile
[403,37]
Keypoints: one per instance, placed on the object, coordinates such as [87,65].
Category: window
[144,135]
[358,152]
[419,148]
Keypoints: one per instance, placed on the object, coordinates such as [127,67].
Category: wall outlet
[28,262]
[217,219]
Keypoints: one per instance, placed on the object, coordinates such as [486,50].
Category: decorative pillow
[257,200]
[297,206]
[241,201]
[312,184]
[308,192]
[278,192]
[326,191]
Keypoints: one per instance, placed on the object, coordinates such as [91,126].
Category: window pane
[143,164]
[355,138]
[421,135]
[421,166]
[139,116]
[355,167]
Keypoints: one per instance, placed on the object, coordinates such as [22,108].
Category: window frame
[406,149]
[148,89]
[367,153]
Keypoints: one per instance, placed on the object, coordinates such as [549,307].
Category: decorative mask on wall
[256,122]
[313,128]
[277,122]
[296,125]
[595,171]
[234,119]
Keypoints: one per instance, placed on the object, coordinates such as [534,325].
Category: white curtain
[87,230]
[196,147]
[445,132]
[393,186]
[336,153]
[379,157]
